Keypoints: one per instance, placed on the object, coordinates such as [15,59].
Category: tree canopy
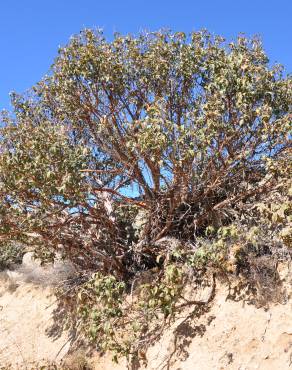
[185,128]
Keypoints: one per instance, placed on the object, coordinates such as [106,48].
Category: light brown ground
[230,335]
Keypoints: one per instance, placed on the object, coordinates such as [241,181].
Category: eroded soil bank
[231,334]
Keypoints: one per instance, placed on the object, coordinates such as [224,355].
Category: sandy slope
[24,318]
[26,306]
[231,335]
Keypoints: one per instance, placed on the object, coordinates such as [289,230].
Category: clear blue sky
[32,30]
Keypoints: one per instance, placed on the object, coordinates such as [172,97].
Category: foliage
[163,153]
[10,255]
[109,317]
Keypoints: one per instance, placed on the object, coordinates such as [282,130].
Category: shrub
[161,152]
[10,255]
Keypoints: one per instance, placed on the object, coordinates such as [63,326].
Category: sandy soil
[230,335]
